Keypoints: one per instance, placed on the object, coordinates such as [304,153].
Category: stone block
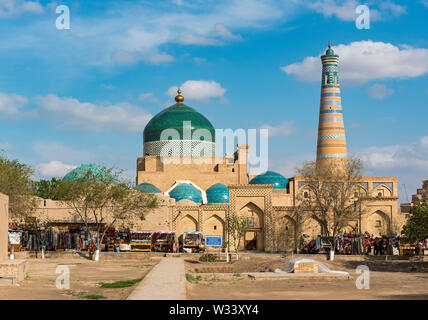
[306,267]
[14,268]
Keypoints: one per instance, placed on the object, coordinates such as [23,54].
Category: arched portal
[377,223]
[186,224]
[254,237]
[214,226]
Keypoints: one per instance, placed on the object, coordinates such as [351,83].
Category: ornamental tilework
[180,147]
[365,185]
[266,192]
[390,185]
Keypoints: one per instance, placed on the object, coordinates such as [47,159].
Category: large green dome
[179,131]
[172,118]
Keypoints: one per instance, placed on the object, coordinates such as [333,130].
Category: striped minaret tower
[331,131]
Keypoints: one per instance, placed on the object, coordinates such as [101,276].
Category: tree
[236,227]
[416,227]
[100,198]
[15,181]
[331,188]
[47,189]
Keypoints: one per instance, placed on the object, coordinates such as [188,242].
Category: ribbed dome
[218,193]
[271,177]
[186,191]
[172,118]
[148,188]
[89,169]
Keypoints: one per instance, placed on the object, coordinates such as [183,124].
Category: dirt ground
[85,277]
[388,280]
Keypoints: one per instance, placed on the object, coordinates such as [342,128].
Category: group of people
[363,244]
[381,246]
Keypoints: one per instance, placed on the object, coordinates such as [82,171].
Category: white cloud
[408,155]
[11,105]
[158,58]
[198,90]
[56,150]
[363,61]
[223,32]
[425,3]
[407,161]
[140,31]
[9,8]
[192,39]
[148,97]
[54,168]
[283,130]
[125,57]
[379,91]
[70,113]
[345,10]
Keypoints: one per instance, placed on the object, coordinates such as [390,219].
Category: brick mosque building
[199,196]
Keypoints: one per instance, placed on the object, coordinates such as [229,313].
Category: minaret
[331,131]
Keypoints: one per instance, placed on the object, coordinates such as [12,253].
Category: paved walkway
[166,281]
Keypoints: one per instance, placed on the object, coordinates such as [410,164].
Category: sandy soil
[85,277]
[388,280]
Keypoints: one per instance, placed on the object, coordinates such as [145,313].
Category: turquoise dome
[270,177]
[329,52]
[148,188]
[218,193]
[172,118]
[84,169]
[186,191]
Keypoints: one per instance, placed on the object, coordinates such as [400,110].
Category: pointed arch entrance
[254,237]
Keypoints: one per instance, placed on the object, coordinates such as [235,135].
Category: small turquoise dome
[186,191]
[218,193]
[329,52]
[84,169]
[270,177]
[148,188]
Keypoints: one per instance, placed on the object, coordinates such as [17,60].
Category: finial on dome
[179,98]
[329,44]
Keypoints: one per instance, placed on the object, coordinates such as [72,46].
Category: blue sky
[85,95]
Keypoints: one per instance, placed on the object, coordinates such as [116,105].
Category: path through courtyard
[166,281]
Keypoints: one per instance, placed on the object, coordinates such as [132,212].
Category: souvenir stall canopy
[63,236]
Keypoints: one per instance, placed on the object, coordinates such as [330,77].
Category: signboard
[214,241]
[15,237]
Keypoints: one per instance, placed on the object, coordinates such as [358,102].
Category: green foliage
[416,227]
[93,297]
[193,279]
[236,227]
[120,284]
[15,181]
[103,199]
[47,189]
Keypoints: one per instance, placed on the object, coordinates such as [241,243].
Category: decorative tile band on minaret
[331,130]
